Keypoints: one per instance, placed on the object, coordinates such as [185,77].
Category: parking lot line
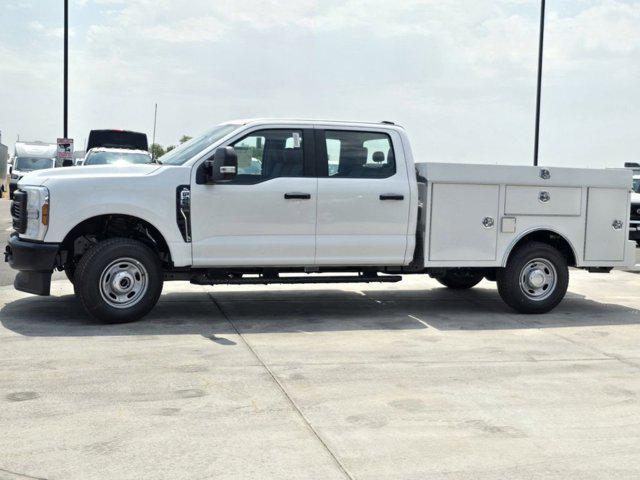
[283,390]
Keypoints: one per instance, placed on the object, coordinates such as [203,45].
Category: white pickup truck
[290,201]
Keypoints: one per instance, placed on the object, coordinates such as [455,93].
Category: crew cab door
[265,216]
[363,198]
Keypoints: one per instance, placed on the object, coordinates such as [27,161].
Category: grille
[19,211]
[635,211]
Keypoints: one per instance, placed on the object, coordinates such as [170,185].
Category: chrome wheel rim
[538,279]
[123,283]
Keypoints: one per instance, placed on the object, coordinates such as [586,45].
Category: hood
[39,177]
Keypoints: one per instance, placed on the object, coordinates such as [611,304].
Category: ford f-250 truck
[288,201]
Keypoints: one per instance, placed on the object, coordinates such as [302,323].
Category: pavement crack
[284,392]
[21,475]
[612,356]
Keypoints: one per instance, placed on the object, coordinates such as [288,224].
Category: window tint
[359,154]
[269,154]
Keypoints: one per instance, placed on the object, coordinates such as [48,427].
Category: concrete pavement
[405,381]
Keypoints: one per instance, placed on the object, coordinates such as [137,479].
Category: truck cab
[28,157]
[302,201]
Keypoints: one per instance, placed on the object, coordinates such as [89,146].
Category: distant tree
[156,150]
[169,148]
[185,138]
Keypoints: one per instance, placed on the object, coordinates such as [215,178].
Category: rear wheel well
[550,238]
[89,232]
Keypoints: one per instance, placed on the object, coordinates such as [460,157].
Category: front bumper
[35,263]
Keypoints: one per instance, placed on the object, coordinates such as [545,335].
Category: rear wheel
[460,278]
[535,279]
[69,271]
[119,280]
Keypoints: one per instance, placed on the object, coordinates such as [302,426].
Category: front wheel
[535,279]
[119,280]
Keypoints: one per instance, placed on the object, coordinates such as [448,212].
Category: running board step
[204,280]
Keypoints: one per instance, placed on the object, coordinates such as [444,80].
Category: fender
[530,231]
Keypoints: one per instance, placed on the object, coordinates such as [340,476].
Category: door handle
[297,196]
[391,196]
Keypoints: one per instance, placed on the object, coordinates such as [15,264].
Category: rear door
[363,198]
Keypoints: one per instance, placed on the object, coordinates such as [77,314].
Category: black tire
[460,278]
[538,259]
[69,271]
[96,292]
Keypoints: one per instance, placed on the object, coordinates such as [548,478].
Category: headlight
[37,212]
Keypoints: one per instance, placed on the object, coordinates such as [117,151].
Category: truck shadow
[273,311]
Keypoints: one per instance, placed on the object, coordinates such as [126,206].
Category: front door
[363,200]
[266,216]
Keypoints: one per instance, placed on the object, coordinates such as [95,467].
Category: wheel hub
[538,279]
[124,282]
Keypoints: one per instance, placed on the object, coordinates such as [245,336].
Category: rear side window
[359,154]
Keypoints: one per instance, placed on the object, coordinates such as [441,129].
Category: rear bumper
[34,262]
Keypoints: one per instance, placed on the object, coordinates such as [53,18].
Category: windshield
[189,149]
[116,158]
[32,163]
[636,185]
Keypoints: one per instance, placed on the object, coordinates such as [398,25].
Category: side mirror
[67,162]
[223,167]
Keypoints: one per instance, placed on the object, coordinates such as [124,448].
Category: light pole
[153,139]
[539,93]
[66,67]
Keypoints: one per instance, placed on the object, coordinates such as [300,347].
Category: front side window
[26,164]
[267,154]
[359,154]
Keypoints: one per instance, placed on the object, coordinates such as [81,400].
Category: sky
[459,75]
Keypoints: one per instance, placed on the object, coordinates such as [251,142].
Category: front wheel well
[550,238]
[89,232]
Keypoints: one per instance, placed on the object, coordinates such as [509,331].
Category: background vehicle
[116,156]
[4,168]
[248,202]
[634,227]
[30,156]
[113,138]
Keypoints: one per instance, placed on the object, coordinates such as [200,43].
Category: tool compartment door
[606,207]
[464,220]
